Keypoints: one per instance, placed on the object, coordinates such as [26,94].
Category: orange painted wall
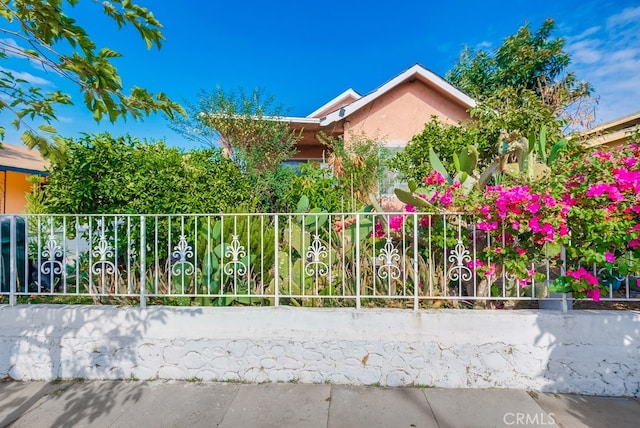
[17,186]
[402,113]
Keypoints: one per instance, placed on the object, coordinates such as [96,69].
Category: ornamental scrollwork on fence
[459,257]
[52,253]
[181,254]
[315,252]
[235,267]
[103,251]
[390,260]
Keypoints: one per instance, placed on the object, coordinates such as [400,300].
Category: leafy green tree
[250,128]
[526,75]
[102,174]
[444,139]
[42,33]
[356,165]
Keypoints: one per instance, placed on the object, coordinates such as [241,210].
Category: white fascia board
[348,93]
[624,122]
[417,69]
[306,120]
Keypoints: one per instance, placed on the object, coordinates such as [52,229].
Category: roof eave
[416,70]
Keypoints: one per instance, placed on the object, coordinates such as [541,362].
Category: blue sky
[307,53]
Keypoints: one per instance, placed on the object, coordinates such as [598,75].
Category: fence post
[13,261]
[416,280]
[143,262]
[277,263]
[358,261]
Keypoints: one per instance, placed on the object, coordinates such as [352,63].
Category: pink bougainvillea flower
[434,178]
[572,274]
[591,280]
[533,207]
[447,198]
[378,230]
[594,294]
[488,226]
[520,251]
[563,230]
[549,201]
[609,257]
[395,222]
[583,275]
[410,208]
[601,155]
[630,162]
[472,264]
[634,228]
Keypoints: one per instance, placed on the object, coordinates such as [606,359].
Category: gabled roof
[417,71]
[21,159]
[340,99]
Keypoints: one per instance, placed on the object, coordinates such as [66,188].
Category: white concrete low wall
[589,352]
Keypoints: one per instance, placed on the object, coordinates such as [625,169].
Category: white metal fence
[314,259]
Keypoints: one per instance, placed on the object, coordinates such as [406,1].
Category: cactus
[531,154]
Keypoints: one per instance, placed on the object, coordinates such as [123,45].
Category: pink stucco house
[392,113]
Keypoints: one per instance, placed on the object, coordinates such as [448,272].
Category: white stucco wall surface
[588,352]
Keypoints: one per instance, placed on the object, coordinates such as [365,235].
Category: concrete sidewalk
[210,404]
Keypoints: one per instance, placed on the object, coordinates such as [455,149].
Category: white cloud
[30,78]
[629,15]
[585,51]
[608,56]
[484,45]
[9,46]
[589,31]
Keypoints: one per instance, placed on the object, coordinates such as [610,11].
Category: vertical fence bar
[143,264]
[13,261]
[25,254]
[416,276]
[358,261]
[277,263]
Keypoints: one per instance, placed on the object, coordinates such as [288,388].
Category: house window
[389,180]
[295,163]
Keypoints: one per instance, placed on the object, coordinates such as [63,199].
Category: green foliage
[281,194]
[446,140]
[605,213]
[513,109]
[321,187]
[523,84]
[43,34]
[525,61]
[530,155]
[357,165]
[123,175]
[248,126]
[224,277]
